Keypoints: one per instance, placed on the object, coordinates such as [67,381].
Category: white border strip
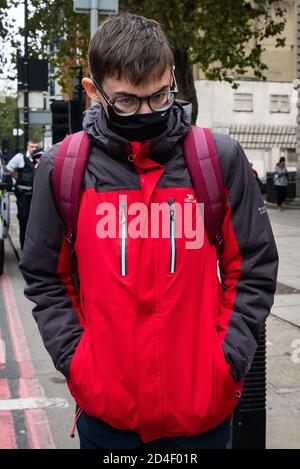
[32,403]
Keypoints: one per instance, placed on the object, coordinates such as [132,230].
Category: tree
[8,118]
[8,122]
[214,34]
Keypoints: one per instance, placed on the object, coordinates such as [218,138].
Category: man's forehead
[117,86]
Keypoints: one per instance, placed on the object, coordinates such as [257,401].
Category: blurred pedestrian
[281,182]
[22,169]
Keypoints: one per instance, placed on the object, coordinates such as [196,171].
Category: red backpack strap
[69,167]
[203,163]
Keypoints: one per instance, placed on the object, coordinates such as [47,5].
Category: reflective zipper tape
[123,238]
[172,236]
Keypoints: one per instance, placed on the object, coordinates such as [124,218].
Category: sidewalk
[283,332]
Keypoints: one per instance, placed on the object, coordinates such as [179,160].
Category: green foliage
[216,34]
[8,122]
[55,32]
[36,132]
[60,34]
[212,33]
[8,118]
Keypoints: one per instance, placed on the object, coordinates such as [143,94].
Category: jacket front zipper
[172,235]
[123,238]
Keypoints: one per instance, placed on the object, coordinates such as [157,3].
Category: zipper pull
[122,212]
[172,209]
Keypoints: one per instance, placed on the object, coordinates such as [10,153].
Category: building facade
[261,115]
[298,100]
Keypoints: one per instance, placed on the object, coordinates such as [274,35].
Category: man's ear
[91,89]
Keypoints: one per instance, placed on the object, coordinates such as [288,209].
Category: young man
[22,169]
[153,347]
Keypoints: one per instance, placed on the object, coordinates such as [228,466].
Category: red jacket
[152,342]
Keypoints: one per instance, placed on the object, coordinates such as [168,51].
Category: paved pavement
[44,417]
[283,333]
[42,410]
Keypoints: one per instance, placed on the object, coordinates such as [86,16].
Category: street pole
[80,88]
[93,7]
[26,80]
[94,16]
[17,126]
[94,27]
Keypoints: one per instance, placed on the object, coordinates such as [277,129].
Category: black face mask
[138,127]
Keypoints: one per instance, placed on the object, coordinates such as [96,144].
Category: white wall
[216,100]
[215,110]
[257,157]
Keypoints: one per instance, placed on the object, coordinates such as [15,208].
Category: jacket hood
[96,125]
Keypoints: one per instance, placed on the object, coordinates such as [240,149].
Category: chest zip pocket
[171,203]
[123,238]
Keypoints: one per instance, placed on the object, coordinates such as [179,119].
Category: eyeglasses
[130,104]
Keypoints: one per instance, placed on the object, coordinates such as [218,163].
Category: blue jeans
[95,434]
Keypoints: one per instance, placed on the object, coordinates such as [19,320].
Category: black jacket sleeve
[249,262]
[47,269]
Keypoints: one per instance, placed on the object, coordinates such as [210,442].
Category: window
[280,103]
[243,102]
[291,156]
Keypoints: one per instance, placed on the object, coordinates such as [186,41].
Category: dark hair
[131,47]
[281,159]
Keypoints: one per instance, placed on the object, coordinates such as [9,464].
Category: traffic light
[38,74]
[60,120]
[76,116]
[66,118]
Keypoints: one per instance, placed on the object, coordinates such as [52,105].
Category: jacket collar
[95,124]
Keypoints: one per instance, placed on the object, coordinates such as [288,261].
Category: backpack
[201,159]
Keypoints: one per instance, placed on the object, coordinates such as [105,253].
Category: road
[36,409]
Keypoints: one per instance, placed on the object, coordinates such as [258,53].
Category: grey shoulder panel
[227,149]
[50,154]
